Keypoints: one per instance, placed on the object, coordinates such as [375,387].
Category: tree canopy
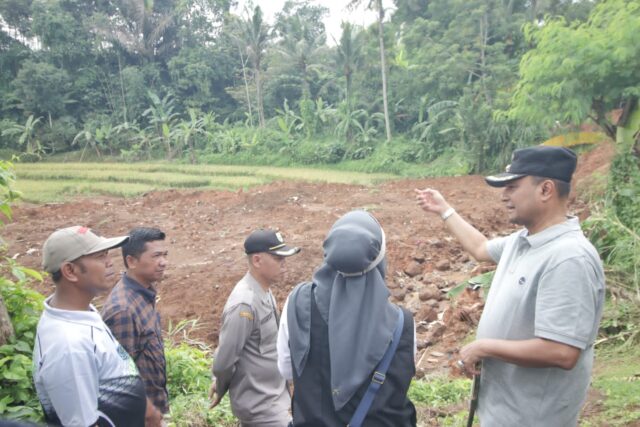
[429,78]
[580,70]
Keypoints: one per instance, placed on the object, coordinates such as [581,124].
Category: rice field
[51,182]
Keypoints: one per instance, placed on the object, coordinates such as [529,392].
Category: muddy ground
[206,230]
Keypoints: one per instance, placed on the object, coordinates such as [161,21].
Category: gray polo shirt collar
[551,233]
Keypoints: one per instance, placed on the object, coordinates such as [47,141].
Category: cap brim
[110,243]
[285,251]
[502,179]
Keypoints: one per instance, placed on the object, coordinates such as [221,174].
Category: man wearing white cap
[83,377]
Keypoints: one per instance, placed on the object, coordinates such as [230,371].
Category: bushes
[317,134]
[18,399]
[614,228]
[17,394]
[189,380]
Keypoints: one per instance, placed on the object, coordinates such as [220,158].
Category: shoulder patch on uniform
[246,315]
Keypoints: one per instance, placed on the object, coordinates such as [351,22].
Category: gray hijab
[352,297]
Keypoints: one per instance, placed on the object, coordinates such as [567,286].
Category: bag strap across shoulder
[379,375]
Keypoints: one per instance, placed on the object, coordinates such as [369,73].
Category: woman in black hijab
[339,327]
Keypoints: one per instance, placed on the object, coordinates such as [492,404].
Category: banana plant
[161,115]
[186,131]
[288,120]
[88,136]
[26,134]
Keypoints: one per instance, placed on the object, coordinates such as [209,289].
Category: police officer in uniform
[245,362]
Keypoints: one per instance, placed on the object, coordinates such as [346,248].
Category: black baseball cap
[547,162]
[268,241]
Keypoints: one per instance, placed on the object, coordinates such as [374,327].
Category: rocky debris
[436,243]
[469,314]
[430,292]
[443,284]
[422,344]
[418,257]
[436,330]
[428,314]
[443,265]
[443,306]
[413,268]
[421,327]
[399,294]
[432,303]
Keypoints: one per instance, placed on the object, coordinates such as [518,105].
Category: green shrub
[438,392]
[18,399]
[189,380]
[59,135]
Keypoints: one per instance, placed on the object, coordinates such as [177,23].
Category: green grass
[617,377]
[49,182]
[40,191]
[441,397]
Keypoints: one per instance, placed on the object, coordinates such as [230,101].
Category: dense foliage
[17,393]
[190,79]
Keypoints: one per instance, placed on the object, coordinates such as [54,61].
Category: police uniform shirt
[245,363]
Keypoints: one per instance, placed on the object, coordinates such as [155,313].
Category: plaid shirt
[130,312]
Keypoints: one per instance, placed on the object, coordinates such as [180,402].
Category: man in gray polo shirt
[535,337]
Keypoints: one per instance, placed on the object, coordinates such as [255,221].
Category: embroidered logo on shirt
[522,281]
[246,315]
[122,353]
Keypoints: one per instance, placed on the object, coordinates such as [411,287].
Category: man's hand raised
[431,201]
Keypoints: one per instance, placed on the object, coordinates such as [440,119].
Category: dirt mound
[206,230]
[595,162]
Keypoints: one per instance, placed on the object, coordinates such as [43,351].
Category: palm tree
[377,6]
[138,27]
[348,59]
[255,35]
[302,52]
[27,133]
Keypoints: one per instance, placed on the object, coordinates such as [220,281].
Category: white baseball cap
[69,244]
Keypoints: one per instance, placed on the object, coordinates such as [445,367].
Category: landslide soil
[205,231]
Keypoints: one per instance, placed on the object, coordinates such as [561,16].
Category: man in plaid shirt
[130,312]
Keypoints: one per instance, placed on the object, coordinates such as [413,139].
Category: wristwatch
[446,214]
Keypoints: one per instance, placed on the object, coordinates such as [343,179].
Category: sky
[337,13]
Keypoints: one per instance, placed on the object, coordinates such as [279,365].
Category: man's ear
[547,189]
[256,260]
[68,271]
[132,261]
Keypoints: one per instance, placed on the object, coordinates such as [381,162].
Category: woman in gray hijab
[336,329]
